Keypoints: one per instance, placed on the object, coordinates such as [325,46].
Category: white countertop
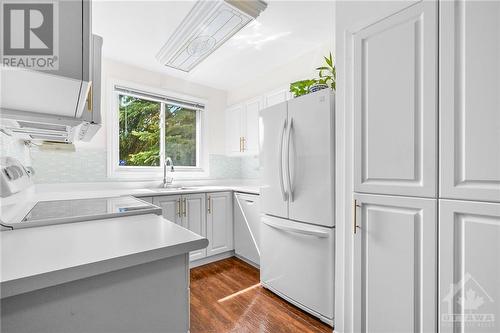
[36,258]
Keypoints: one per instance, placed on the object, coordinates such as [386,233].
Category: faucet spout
[168,164]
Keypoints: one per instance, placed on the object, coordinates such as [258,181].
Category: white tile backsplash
[90,166]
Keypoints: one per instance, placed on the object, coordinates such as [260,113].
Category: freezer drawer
[297,262]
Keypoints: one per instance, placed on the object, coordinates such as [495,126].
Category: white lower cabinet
[194,219]
[247,226]
[209,215]
[171,207]
[395,264]
[188,211]
[219,222]
[469,266]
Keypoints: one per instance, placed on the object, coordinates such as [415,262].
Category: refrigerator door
[297,263]
[272,127]
[310,169]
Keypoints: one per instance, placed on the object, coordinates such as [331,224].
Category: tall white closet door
[395,272]
[395,103]
[469,266]
[311,140]
[470,100]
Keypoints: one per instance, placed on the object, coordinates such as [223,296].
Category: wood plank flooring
[226,297]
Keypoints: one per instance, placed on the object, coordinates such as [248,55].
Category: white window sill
[178,174]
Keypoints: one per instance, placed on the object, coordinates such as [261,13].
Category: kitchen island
[128,274]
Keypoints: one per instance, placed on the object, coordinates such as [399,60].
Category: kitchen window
[149,127]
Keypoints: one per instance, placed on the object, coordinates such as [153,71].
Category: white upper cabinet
[234,118]
[395,103]
[470,100]
[276,97]
[395,264]
[251,126]
[469,266]
[242,128]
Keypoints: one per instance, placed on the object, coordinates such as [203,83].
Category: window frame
[114,170]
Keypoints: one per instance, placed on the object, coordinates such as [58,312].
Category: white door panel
[272,124]
[395,104]
[194,219]
[311,136]
[251,135]
[247,226]
[219,222]
[470,99]
[276,97]
[395,260]
[234,119]
[469,266]
[297,261]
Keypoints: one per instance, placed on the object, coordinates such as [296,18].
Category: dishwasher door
[297,263]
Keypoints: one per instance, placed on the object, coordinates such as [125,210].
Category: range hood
[38,106]
[207,26]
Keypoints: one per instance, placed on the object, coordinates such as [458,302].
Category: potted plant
[327,76]
[326,79]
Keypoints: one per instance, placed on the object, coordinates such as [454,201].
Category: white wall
[300,66]
[216,98]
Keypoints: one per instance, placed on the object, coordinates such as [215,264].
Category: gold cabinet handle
[355,225]
[209,205]
[179,207]
[184,207]
[243,143]
[90,99]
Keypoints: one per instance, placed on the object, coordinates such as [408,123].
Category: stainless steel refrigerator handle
[288,176]
[303,231]
[280,171]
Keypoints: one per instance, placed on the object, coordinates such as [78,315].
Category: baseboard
[208,260]
[250,262]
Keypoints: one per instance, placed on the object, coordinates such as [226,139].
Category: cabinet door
[276,97]
[219,222]
[194,219]
[469,266]
[247,226]
[469,100]
[170,205]
[395,103]
[311,144]
[233,129]
[251,126]
[395,258]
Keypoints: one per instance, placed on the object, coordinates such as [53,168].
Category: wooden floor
[226,297]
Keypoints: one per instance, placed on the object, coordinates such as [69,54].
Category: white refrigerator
[297,141]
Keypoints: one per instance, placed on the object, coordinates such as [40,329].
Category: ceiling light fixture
[206,27]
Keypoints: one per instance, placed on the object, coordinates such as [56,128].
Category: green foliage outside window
[139,133]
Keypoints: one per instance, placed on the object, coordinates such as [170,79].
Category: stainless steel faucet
[167,181]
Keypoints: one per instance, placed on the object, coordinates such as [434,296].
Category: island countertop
[35,258]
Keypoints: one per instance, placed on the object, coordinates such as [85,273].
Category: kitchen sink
[176,188]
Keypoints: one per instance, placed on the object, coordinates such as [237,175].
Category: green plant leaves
[327,75]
